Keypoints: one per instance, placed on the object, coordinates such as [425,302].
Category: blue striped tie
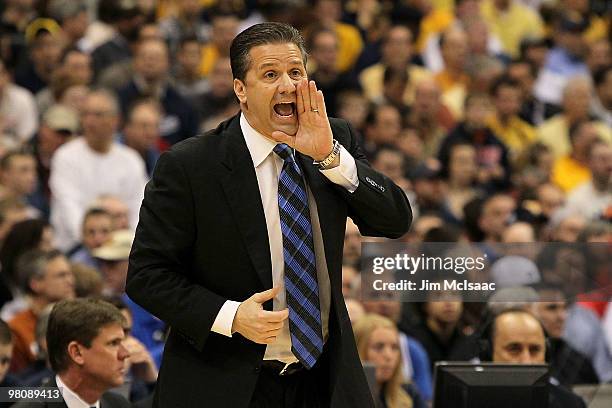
[301,284]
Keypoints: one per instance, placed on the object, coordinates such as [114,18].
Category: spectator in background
[22,237]
[571,170]
[383,126]
[97,228]
[113,257]
[511,21]
[87,167]
[187,77]
[6,355]
[87,281]
[39,372]
[516,134]
[351,251]
[497,213]
[566,225]
[391,162]
[18,112]
[117,208]
[460,173]
[452,79]
[533,111]
[74,69]
[516,336]
[187,22]
[438,329]
[353,107]
[323,52]
[568,366]
[429,116]
[59,124]
[72,17]
[565,60]
[599,56]
[85,343]
[18,175]
[377,341]
[224,28]
[46,277]
[126,20]
[219,102]
[492,155]
[141,370]
[11,212]
[594,197]
[601,105]
[396,55]
[550,198]
[141,131]
[328,14]
[151,80]
[43,39]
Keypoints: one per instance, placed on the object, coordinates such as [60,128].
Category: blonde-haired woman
[378,342]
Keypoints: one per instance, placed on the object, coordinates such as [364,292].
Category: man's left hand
[314,135]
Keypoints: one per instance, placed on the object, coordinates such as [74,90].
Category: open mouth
[285,109]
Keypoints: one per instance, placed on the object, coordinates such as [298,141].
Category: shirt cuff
[225,318]
[344,174]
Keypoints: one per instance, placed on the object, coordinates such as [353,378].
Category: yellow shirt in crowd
[512,25]
[517,134]
[554,133]
[372,81]
[569,173]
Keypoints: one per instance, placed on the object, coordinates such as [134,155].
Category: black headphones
[485,340]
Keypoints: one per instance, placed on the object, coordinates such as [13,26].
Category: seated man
[85,344]
[516,336]
[96,230]
[567,365]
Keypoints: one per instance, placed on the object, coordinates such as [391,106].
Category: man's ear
[74,351]
[240,90]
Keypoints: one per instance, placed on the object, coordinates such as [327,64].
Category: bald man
[518,337]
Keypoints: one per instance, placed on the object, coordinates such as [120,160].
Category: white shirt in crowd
[587,200]
[18,114]
[79,175]
[268,166]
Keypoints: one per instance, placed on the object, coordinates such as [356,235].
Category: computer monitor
[488,385]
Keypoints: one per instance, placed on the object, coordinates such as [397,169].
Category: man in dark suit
[239,244]
[84,342]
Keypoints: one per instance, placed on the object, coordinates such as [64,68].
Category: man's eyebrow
[267,65]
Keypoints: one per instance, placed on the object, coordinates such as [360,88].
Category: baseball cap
[117,248]
[61,118]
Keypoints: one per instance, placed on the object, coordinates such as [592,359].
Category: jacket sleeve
[378,206]
[158,278]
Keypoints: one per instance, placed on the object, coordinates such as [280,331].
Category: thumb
[282,137]
[264,296]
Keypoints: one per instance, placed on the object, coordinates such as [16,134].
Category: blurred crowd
[494,116]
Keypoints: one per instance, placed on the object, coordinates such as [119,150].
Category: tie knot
[283,151]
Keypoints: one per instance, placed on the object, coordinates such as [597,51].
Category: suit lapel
[242,192]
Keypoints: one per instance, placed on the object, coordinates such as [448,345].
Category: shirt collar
[259,146]
[71,398]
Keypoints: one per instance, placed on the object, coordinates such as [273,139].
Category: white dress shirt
[268,166]
[71,398]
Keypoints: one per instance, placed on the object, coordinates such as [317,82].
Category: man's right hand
[255,323]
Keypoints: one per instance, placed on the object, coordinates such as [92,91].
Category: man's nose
[123,352]
[287,84]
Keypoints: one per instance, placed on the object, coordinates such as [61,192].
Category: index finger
[275,317]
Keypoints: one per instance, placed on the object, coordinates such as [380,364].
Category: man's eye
[270,74]
[296,72]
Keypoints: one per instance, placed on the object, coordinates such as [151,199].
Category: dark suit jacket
[202,240]
[108,400]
